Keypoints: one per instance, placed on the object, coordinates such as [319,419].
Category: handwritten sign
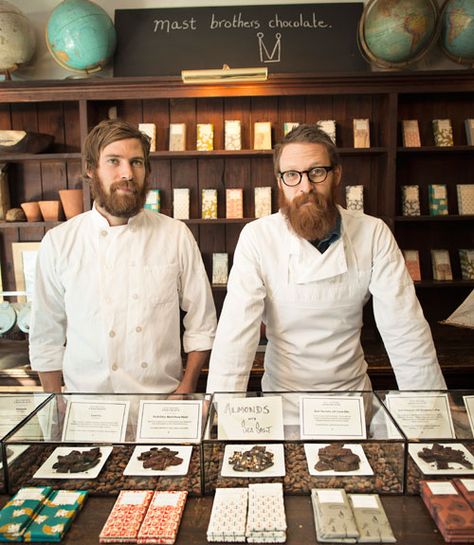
[285,38]
[250,418]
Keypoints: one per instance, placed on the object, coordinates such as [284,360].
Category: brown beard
[312,216]
[120,206]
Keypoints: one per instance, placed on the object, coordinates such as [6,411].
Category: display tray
[34,468]
[386,461]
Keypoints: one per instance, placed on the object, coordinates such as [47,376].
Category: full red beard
[124,205]
[312,215]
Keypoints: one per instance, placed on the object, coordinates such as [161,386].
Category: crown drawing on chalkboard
[265,56]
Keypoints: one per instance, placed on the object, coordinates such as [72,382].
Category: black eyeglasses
[316,175]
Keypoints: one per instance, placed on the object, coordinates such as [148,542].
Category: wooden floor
[409,518]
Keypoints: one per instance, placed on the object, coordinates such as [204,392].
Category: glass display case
[14,409]
[105,443]
[439,427]
[304,440]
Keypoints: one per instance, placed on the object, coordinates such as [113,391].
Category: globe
[80,36]
[457,30]
[396,33]
[17,38]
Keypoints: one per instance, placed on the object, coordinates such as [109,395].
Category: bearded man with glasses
[307,272]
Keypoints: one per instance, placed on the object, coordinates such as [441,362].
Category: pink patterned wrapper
[163,517]
[127,515]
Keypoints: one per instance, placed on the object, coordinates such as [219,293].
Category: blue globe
[80,36]
[457,30]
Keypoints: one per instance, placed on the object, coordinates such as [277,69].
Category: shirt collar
[104,224]
[333,235]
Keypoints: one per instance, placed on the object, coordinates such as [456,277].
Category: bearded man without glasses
[111,282]
[306,272]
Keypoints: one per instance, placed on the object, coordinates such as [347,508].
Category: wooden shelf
[17,157]
[218,221]
[194,154]
[446,218]
[436,149]
[444,284]
[29,224]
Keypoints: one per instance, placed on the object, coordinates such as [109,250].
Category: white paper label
[166,500]
[133,498]
[259,418]
[469,484]
[65,497]
[330,496]
[30,494]
[364,501]
[439,489]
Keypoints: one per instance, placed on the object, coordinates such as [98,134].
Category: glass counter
[14,409]
[319,440]
[105,443]
[438,426]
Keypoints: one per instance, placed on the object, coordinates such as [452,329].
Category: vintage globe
[457,30]
[396,33]
[80,36]
[17,37]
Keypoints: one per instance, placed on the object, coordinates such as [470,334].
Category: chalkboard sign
[284,38]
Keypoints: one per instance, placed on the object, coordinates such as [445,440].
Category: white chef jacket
[312,304]
[113,295]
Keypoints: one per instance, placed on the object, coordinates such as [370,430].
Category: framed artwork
[24,265]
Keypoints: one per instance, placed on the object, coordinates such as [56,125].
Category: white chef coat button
[114,367]
[144,364]
[112,333]
[104,233]
[135,296]
[138,329]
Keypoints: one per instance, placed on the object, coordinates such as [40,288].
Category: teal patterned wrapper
[20,510]
[55,516]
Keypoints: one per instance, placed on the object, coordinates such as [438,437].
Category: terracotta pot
[32,211]
[71,200]
[50,210]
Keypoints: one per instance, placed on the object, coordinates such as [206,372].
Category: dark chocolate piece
[442,456]
[337,458]
[77,462]
[159,458]
[255,459]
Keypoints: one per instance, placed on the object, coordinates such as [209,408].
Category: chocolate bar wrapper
[450,511]
[55,516]
[18,513]
[161,522]
[209,204]
[205,137]
[466,487]
[232,132]
[266,515]
[234,202]
[333,516]
[371,520]
[126,517]
[228,515]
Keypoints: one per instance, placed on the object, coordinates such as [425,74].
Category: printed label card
[411,200]
[466,259]
[329,127]
[209,204]
[263,201]
[234,203]
[361,129]
[98,421]
[220,268]
[443,132]
[441,265]
[422,415]
[150,130]
[411,133]
[232,134]
[355,198]
[153,200]
[205,137]
[469,124]
[262,135]
[169,420]
[181,203]
[438,199]
[412,261]
[177,137]
[332,417]
[288,126]
[250,418]
[465,193]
